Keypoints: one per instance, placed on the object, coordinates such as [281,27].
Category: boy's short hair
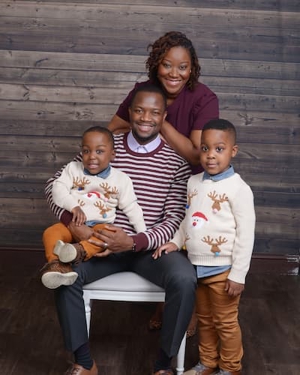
[221,124]
[150,88]
[102,130]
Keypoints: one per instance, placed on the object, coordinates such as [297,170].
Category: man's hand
[104,254]
[233,289]
[113,239]
[80,233]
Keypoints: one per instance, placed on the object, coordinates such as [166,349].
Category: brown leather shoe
[76,369]
[164,372]
[69,253]
[200,369]
[55,273]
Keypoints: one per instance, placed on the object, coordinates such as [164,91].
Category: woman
[173,65]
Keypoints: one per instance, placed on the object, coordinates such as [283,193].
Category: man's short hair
[150,88]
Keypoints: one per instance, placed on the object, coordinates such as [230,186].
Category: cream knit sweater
[98,197]
[219,225]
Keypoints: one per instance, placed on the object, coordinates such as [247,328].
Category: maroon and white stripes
[159,179]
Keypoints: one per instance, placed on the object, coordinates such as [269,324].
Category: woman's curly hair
[162,45]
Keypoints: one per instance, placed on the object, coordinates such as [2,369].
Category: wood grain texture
[67,65]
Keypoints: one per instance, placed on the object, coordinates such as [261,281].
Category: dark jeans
[173,272]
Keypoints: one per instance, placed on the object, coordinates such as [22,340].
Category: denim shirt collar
[218,177]
[103,174]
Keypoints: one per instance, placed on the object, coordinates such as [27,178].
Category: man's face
[147,114]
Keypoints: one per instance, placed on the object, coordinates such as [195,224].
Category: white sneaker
[66,252]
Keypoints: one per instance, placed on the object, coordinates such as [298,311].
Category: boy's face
[147,114]
[216,150]
[97,151]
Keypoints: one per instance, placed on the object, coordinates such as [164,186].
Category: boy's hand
[167,248]
[233,289]
[79,217]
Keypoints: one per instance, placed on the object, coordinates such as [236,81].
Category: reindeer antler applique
[187,237]
[80,183]
[81,203]
[217,201]
[109,191]
[102,208]
[214,245]
[190,195]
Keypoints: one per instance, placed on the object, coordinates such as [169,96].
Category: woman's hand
[187,147]
[118,125]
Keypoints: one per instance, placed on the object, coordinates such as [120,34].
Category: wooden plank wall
[66,65]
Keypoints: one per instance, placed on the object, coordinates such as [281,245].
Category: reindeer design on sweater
[217,201]
[80,183]
[103,209]
[214,243]
[187,237]
[108,190]
[190,195]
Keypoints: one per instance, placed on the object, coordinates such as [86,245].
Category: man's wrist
[133,249]
[140,242]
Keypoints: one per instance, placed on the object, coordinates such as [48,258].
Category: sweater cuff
[66,218]
[141,242]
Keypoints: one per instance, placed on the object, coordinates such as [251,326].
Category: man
[159,178]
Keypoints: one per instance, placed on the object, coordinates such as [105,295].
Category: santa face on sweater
[217,149]
[198,220]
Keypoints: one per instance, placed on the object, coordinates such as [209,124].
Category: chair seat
[124,282]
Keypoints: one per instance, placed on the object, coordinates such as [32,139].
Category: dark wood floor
[31,344]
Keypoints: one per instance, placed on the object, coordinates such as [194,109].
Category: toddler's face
[97,151]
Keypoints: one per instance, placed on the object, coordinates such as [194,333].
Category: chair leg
[88,309]
[180,357]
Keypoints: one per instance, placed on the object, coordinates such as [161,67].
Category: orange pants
[220,338]
[60,232]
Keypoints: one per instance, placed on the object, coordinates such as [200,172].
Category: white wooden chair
[127,286]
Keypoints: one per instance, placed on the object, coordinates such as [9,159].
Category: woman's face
[174,70]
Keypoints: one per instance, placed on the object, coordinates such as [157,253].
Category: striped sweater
[159,179]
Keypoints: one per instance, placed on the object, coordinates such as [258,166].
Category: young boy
[91,191]
[218,234]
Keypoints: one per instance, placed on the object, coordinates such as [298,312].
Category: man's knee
[183,280]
